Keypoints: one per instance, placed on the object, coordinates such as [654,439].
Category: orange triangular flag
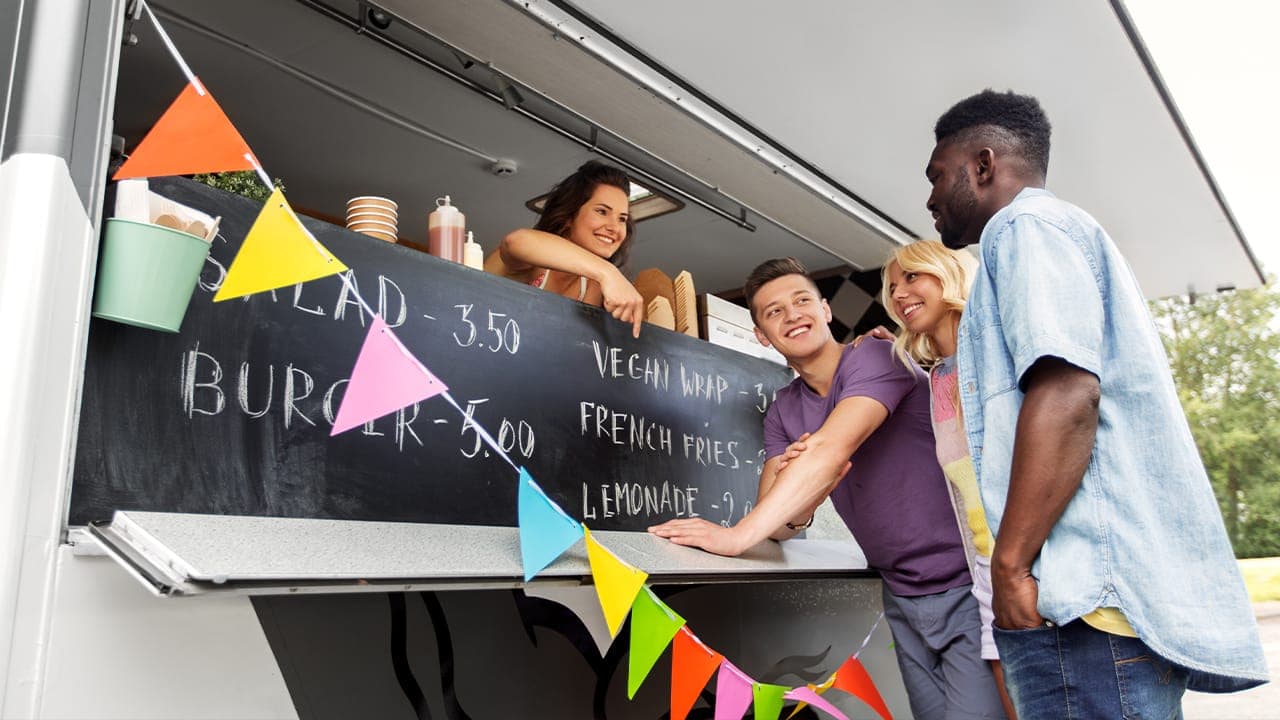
[854,679]
[192,136]
[277,252]
[692,664]
[616,582]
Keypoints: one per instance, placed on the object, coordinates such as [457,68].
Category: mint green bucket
[146,274]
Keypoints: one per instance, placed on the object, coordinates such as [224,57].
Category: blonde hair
[952,269]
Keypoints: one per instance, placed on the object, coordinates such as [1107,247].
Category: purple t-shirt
[895,499]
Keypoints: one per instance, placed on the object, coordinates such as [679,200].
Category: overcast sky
[1221,62]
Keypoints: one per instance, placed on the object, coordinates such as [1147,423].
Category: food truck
[183,537]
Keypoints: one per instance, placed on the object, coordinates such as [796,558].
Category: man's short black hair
[767,272]
[1017,122]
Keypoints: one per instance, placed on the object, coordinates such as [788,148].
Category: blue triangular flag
[545,530]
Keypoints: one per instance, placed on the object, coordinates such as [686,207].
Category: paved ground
[1263,702]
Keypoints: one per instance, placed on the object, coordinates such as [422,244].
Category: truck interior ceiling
[491,102]
[341,99]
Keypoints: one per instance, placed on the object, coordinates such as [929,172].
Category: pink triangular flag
[808,695]
[733,693]
[386,378]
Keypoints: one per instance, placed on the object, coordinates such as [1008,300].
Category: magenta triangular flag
[733,693]
[386,378]
[810,696]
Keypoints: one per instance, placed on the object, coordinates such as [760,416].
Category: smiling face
[953,201]
[917,300]
[791,316]
[600,225]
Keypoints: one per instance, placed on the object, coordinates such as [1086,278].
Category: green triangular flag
[768,700]
[653,625]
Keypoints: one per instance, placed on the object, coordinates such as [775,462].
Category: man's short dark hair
[768,271]
[1015,122]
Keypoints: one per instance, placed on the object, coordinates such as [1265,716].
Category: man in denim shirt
[1115,586]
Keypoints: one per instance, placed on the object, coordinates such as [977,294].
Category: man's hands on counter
[704,534]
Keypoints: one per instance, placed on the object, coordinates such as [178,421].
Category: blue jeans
[1074,671]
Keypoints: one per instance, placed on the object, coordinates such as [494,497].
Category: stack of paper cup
[374,216]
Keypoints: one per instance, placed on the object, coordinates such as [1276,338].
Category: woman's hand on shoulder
[622,300]
[878,331]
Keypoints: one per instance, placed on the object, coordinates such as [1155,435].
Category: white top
[541,284]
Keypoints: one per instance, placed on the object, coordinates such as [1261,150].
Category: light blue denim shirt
[1143,533]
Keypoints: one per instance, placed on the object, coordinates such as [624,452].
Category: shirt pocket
[993,361]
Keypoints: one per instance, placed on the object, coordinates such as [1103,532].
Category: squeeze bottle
[472,254]
[446,226]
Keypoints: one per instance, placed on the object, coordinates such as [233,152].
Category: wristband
[802,526]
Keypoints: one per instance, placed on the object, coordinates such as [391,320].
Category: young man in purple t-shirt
[862,405]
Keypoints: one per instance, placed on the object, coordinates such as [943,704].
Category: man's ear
[760,336]
[984,166]
[826,310]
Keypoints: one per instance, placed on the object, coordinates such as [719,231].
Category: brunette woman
[579,244]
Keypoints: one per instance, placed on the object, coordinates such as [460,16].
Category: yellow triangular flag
[277,252]
[616,582]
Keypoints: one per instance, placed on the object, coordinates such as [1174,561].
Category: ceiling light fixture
[645,204]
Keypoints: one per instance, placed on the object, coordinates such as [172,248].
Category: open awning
[839,99]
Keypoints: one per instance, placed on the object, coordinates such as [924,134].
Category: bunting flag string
[262,174]
[469,422]
[867,638]
[168,44]
[348,282]
[194,135]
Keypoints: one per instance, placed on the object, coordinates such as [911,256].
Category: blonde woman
[925,286]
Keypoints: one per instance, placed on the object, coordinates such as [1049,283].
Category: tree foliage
[1224,350]
[240,182]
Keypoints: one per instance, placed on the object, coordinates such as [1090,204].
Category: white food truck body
[790,130]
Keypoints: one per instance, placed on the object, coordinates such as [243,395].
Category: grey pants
[938,639]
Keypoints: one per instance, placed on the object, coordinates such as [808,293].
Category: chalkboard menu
[232,415]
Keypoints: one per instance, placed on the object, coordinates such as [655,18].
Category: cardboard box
[723,323]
